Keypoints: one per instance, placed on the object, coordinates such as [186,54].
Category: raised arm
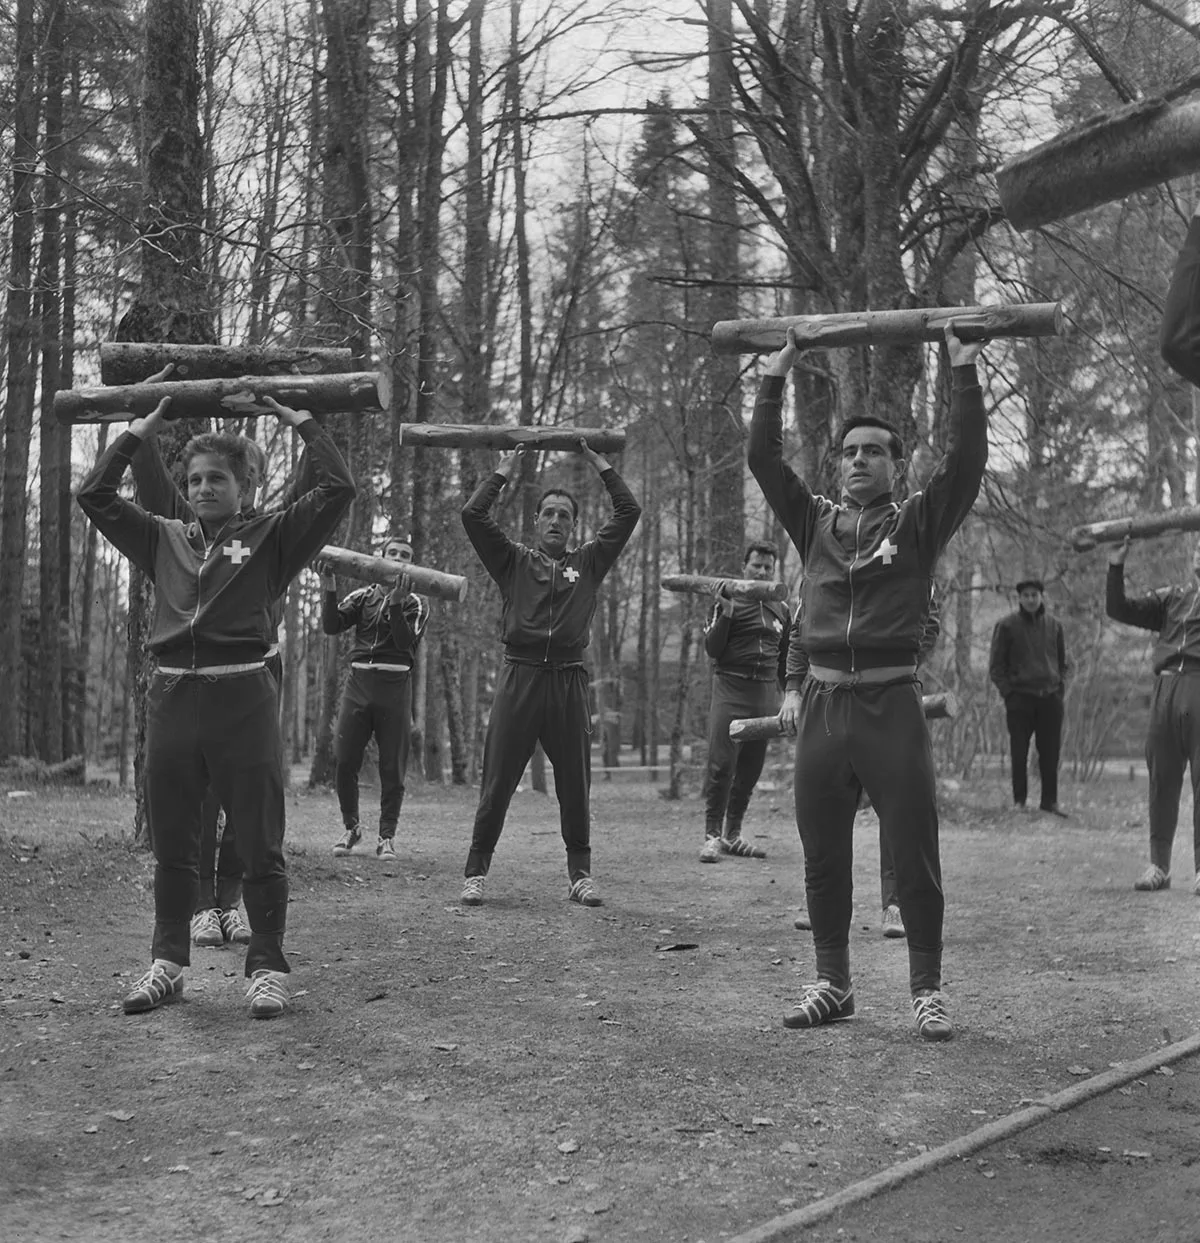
[1148,612]
[1180,332]
[615,533]
[495,549]
[786,493]
[716,629]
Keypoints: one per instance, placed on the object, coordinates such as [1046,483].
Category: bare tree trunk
[19,386]
[451,663]
[52,629]
[727,490]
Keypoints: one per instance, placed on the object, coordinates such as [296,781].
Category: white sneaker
[472,891]
[206,929]
[268,993]
[710,852]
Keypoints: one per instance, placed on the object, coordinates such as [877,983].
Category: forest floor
[534,1070]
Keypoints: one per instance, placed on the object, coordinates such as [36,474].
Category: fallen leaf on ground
[446,1048]
[568,1146]
[1164,1070]
[1079,1070]
[121,1115]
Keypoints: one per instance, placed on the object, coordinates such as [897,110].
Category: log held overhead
[131,362]
[370,569]
[737,588]
[1141,526]
[507,438]
[972,323]
[353,392]
[1107,158]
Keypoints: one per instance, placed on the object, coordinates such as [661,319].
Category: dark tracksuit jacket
[377,698]
[1028,666]
[868,577]
[157,493]
[214,608]
[542,692]
[1173,737]
[748,651]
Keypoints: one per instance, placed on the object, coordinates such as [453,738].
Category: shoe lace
[583,888]
[268,986]
[473,885]
[930,1009]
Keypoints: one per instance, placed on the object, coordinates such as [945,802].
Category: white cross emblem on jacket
[886,551]
[237,552]
[570,574]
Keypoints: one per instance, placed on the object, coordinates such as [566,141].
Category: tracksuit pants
[220,863]
[873,738]
[224,730]
[1172,745]
[1037,717]
[379,702]
[733,767]
[546,704]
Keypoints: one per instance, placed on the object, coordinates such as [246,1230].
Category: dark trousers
[220,864]
[1172,745]
[1037,717]
[379,702]
[733,767]
[536,703]
[872,738]
[223,731]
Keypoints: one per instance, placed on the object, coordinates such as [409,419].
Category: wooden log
[353,392]
[368,569]
[751,728]
[1106,158]
[1140,526]
[131,362]
[972,323]
[507,438]
[738,588]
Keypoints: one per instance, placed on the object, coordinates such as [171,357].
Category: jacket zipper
[850,579]
[550,626]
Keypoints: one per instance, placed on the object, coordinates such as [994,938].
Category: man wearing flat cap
[1029,667]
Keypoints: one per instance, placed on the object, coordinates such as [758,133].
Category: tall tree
[173,299]
[19,384]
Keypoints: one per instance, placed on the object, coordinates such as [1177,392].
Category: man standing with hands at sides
[868,570]
[1029,668]
[1173,736]
[388,625]
[212,710]
[744,639]
[548,594]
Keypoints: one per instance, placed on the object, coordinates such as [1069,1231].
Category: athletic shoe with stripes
[933,1022]
[472,891]
[710,852]
[742,848]
[162,982]
[584,892]
[821,1003]
[268,994]
[346,843]
[206,928]
[233,926]
[1153,878]
[893,922]
[386,850]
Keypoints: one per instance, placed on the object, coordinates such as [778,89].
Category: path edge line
[786,1227]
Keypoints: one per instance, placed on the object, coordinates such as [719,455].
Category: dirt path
[532,1070]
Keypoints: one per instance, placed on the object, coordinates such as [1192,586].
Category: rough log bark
[751,728]
[1141,526]
[370,569]
[972,323]
[468,436]
[130,362]
[355,392]
[738,588]
[1107,158]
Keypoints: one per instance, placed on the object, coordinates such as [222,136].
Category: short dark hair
[760,546]
[234,449]
[558,492]
[1031,582]
[895,444]
[394,539]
